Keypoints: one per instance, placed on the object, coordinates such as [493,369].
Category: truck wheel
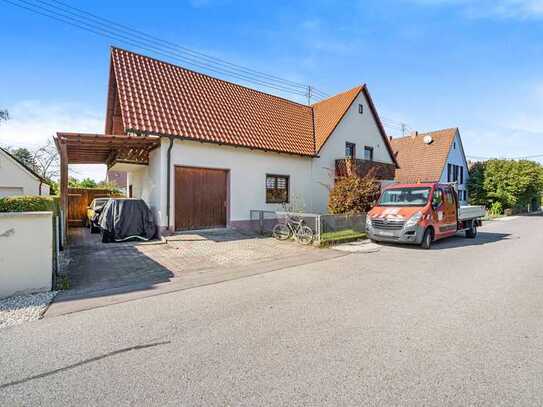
[471,233]
[427,239]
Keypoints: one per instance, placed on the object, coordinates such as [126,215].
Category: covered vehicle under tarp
[123,219]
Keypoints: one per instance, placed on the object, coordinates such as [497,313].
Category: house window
[455,173]
[368,153]
[350,150]
[360,108]
[277,188]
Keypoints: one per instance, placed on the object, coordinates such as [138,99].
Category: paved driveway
[101,274]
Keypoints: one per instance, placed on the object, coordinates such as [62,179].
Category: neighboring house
[119,179]
[227,149]
[17,179]
[437,156]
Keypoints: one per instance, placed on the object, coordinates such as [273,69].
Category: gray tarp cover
[127,217]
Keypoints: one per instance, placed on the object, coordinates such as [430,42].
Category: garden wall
[26,252]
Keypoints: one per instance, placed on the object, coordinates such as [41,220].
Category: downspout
[168,188]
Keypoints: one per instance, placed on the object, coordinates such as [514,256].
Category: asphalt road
[461,324]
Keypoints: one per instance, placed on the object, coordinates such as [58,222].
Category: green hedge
[29,204]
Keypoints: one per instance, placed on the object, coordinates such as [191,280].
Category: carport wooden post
[61,147]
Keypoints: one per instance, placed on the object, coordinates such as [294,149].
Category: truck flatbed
[471,212]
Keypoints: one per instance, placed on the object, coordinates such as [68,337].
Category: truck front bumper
[410,235]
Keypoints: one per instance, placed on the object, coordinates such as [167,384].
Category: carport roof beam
[85,148]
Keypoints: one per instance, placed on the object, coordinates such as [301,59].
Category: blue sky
[429,63]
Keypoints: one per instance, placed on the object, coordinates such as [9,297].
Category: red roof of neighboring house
[421,162]
[164,99]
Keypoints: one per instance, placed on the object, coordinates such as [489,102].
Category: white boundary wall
[26,252]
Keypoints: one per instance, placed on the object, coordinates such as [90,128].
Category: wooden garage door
[200,198]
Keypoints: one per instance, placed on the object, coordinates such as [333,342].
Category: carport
[85,148]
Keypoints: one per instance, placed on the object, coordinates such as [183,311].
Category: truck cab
[420,214]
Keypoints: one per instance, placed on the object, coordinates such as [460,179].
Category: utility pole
[403,129]
[309,94]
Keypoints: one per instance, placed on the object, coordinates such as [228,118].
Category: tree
[24,156]
[84,183]
[43,160]
[477,193]
[47,161]
[353,194]
[87,183]
[513,184]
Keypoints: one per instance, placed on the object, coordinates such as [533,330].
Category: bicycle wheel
[281,231]
[305,235]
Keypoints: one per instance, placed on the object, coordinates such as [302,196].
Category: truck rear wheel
[427,239]
[471,233]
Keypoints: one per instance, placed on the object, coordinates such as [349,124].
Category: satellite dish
[428,139]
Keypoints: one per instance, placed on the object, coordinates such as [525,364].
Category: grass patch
[341,236]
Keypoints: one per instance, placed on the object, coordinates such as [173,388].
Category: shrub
[29,204]
[353,194]
[496,209]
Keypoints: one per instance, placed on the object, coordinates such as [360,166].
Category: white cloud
[519,9]
[33,122]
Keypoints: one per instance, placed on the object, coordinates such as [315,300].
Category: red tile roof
[421,162]
[164,99]
[329,112]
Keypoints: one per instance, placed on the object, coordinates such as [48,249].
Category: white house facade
[309,178]
[222,156]
[456,168]
[17,179]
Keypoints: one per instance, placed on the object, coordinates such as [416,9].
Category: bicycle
[293,227]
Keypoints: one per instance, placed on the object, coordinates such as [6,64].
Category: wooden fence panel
[78,201]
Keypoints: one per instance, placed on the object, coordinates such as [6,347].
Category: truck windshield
[410,196]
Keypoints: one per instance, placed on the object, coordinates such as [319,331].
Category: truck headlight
[368,222]
[413,220]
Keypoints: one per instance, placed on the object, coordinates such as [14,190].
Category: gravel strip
[23,308]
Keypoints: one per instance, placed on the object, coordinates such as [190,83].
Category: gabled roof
[328,114]
[421,162]
[159,98]
[29,170]
[149,96]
